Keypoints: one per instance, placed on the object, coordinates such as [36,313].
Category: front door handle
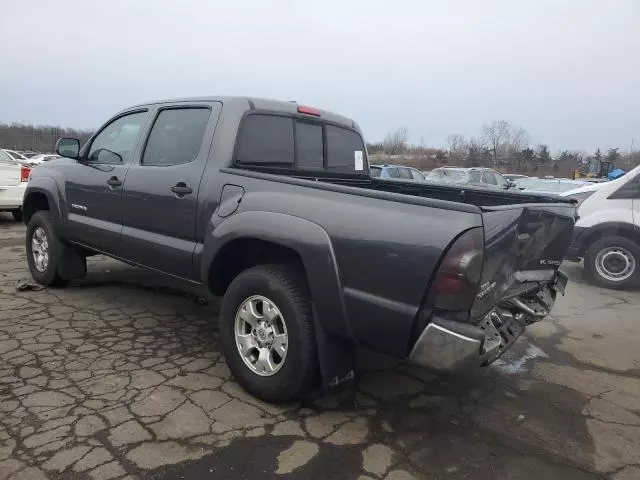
[113,182]
[181,189]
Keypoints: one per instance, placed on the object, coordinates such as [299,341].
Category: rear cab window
[266,140]
[299,145]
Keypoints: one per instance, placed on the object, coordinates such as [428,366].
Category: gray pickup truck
[271,206]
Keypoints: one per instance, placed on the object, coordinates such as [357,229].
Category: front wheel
[267,333]
[613,262]
[48,258]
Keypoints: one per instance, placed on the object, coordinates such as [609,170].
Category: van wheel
[51,262]
[267,333]
[613,262]
[17,214]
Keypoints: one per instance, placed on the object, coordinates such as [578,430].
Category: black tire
[594,274]
[286,287]
[50,276]
[17,214]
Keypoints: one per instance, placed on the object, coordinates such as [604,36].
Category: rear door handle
[113,182]
[181,189]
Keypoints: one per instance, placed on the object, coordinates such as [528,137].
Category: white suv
[13,182]
[607,234]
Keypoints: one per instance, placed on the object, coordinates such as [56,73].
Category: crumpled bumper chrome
[442,348]
[446,345]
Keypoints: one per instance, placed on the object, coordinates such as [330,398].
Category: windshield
[15,155]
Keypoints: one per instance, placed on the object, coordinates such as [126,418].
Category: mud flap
[336,359]
[72,263]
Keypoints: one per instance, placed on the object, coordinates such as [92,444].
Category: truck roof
[257,103]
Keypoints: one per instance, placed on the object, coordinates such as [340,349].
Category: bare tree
[477,152]
[458,148]
[518,140]
[497,135]
[396,142]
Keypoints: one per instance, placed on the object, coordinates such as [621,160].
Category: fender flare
[47,186]
[308,239]
[334,335]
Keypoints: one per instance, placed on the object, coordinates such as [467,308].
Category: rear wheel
[267,334]
[613,262]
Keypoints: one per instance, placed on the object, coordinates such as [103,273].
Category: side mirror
[510,184]
[68,147]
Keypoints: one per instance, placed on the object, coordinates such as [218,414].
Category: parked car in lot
[549,186]
[607,233]
[478,176]
[398,172]
[43,157]
[13,182]
[20,158]
[16,155]
[271,205]
[513,176]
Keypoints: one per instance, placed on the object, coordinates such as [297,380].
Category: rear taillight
[459,274]
[24,173]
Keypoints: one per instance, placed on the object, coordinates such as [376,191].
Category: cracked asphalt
[120,376]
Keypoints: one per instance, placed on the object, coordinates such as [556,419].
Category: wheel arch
[609,229]
[268,236]
[41,194]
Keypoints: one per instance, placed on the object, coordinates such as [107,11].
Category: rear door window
[345,150]
[500,181]
[176,136]
[417,175]
[488,177]
[309,146]
[266,140]
[404,173]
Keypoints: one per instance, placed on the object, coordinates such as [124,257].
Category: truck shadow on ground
[485,424]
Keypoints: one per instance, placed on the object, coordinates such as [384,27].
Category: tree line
[500,145]
[37,138]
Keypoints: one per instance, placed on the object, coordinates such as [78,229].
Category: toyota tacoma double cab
[271,206]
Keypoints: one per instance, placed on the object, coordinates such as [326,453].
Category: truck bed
[478,196]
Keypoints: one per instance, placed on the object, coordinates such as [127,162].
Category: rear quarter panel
[386,253]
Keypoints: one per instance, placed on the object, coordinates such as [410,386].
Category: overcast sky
[567,71]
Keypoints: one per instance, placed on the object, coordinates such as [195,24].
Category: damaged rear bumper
[446,345]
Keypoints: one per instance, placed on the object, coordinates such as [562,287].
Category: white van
[607,234]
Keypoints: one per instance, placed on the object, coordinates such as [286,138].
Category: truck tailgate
[524,247]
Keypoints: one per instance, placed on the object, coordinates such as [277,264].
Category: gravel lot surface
[120,376]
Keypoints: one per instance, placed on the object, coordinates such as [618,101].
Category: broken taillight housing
[458,276]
